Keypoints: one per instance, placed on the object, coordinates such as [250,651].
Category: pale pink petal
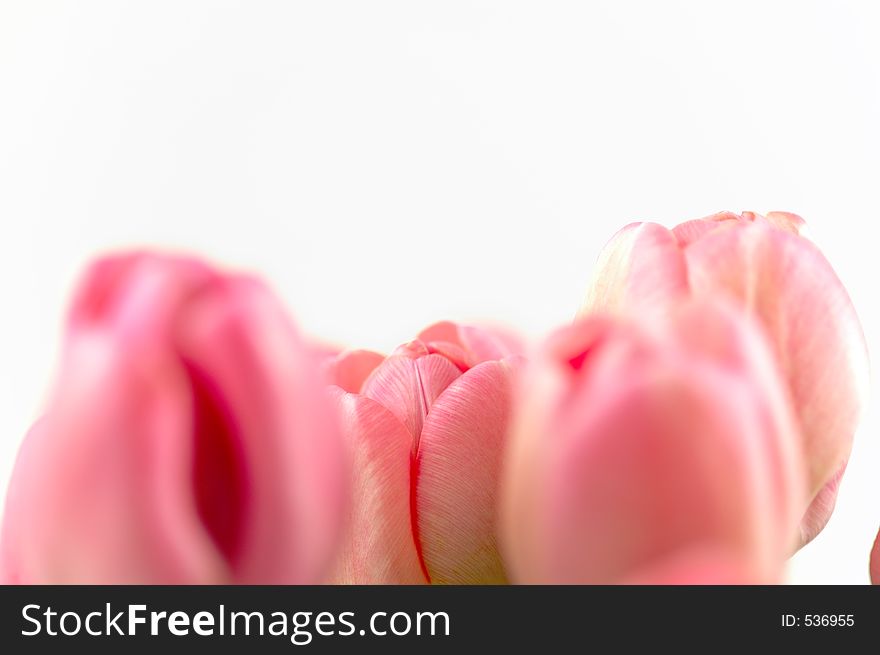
[810,322]
[408,387]
[689,231]
[782,221]
[351,368]
[717,333]
[379,546]
[640,267]
[458,462]
[820,509]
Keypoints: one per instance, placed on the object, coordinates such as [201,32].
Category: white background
[389,164]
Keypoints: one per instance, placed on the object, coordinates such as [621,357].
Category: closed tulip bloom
[660,451]
[188,439]
[426,427]
[772,272]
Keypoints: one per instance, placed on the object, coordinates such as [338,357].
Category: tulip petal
[379,546]
[101,491]
[695,566]
[810,321]
[188,439]
[718,334]
[458,461]
[486,344]
[784,221]
[286,446]
[875,561]
[641,266]
[408,387]
[441,331]
[351,368]
[689,231]
[635,494]
[412,349]
[470,345]
[136,295]
[453,352]
[820,509]
[646,439]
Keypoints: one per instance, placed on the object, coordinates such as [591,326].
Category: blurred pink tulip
[188,439]
[661,451]
[875,561]
[774,273]
[426,426]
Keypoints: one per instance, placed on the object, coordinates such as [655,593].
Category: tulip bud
[426,426]
[660,451]
[188,439]
[772,272]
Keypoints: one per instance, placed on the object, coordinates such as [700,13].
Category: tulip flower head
[661,451]
[426,426]
[771,272]
[188,439]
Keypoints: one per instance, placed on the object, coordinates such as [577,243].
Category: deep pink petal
[379,546]
[286,448]
[458,464]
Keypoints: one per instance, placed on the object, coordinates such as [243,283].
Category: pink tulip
[188,439]
[774,273]
[426,427]
[661,451]
[875,561]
